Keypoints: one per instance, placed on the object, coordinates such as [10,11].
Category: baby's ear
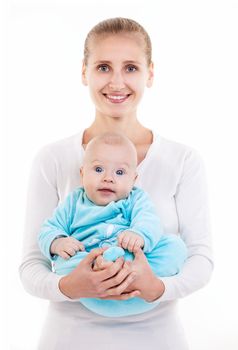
[81,176]
[136,176]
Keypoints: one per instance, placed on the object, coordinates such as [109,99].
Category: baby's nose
[108,178]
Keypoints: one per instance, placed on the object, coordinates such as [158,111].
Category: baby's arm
[66,247]
[131,241]
[58,226]
[145,220]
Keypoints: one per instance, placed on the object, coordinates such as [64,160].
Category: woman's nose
[116,82]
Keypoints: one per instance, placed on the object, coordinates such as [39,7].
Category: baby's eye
[120,172]
[98,169]
[103,68]
[131,68]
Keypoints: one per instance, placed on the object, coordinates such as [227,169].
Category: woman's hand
[83,282]
[146,284]
[149,285]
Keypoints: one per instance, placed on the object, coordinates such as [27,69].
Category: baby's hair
[116,26]
[111,138]
[114,139]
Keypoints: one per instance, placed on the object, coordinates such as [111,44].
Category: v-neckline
[148,153]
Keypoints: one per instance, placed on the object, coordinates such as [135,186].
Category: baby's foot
[113,253]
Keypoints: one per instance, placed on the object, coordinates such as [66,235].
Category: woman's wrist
[63,287]
[157,289]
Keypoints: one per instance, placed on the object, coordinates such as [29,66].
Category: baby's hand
[130,241]
[66,247]
[100,263]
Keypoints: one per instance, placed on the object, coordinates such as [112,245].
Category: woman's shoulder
[66,148]
[174,150]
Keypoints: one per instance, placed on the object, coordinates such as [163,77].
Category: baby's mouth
[106,190]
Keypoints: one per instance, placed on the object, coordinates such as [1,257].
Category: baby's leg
[168,257]
[63,266]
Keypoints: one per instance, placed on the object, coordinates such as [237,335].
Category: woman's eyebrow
[124,62]
[102,61]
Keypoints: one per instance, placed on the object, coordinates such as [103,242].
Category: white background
[193,101]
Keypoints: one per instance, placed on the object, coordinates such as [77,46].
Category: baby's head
[109,168]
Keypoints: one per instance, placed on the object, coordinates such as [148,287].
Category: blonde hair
[116,26]
[113,139]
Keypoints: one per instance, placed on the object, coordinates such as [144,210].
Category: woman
[117,67]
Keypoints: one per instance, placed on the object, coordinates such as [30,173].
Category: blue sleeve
[58,224]
[144,219]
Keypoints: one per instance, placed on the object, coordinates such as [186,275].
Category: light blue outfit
[98,226]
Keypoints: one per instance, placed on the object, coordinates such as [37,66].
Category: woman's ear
[84,74]
[150,75]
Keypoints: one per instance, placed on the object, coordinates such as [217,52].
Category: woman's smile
[116,98]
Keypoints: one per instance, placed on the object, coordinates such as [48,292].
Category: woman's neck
[131,128]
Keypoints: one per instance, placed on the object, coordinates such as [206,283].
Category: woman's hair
[116,26]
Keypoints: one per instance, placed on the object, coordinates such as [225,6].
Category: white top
[173,175]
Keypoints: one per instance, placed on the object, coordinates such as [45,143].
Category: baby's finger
[131,244]
[119,239]
[70,251]
[64,255]
[79,246]
[125,241]
[137,246]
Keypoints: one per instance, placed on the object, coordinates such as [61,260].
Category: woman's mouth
[117,98]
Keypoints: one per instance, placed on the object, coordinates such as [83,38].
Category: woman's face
[117,73]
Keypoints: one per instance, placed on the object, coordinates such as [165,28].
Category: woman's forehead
[125,45]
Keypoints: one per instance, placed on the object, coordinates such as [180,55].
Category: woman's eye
[103,68]
[120,172]
[131,68]
[98,169]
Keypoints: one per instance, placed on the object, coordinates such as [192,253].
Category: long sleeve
[193,220]
[57,225]
[144,220]
[35,270]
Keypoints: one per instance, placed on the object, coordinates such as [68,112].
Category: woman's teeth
[117,98]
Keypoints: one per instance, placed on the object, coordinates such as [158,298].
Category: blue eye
[103,68]
[131,68]
[120,172]
[98,169]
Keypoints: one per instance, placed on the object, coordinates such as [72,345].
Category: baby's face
[108,173]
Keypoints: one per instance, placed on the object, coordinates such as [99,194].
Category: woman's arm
[192,211]
[191,201]
[35,269]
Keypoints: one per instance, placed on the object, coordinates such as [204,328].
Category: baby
[108,211]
